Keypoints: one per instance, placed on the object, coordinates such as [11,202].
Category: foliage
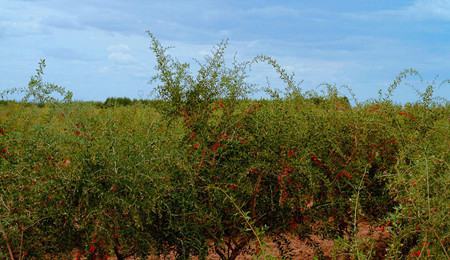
[112,102]
[38,91]
[207,168]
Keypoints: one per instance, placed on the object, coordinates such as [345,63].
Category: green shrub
[205,167]
[38,91]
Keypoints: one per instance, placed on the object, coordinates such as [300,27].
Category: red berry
[345,174]
[215,147]
[291,153]
[293,225]
[223,136]
[221,104]
[232,186]
[114,188]
[4,153]
[380,228]
[66,163]
[316,161]
[407,115]
[252,170]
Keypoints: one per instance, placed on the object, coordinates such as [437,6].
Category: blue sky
[99,48]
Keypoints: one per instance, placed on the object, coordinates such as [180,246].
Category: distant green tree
[118,101]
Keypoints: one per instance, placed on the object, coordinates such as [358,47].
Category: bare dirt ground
[294,248]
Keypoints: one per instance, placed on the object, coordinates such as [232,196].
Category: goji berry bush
[206,168]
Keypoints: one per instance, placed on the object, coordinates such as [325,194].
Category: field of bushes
[208,169]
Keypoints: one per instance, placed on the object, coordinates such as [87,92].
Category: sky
[100,49]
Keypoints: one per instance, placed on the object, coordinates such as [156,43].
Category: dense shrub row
[210,169]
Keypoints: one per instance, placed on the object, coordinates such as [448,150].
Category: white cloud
[430,9]
[125,60]
[272,11]
[420,9]
[123,48]
[16,23]
[62,21]
[16,28]
[120,54]
[120,57]
[104,69]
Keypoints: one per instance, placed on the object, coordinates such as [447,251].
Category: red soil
[296,248]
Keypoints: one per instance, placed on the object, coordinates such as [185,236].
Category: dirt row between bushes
[289,246]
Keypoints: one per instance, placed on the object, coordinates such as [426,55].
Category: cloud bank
[100,49]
